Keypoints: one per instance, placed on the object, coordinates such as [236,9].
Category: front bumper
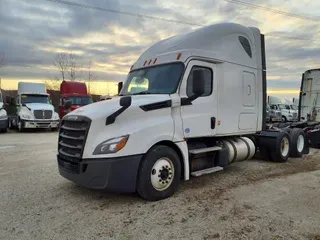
[276,119]
[113,174]
[4,123]
[40,123]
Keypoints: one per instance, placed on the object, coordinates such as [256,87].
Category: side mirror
[120,85]
[198,82]
[125,101]
[67,104]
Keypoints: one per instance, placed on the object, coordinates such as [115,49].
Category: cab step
[206,171]
[204,150]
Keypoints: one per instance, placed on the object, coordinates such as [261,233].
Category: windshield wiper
[142,93]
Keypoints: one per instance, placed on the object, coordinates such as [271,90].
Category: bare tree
[72,67]
[90,75]
[62,63]
[2,55]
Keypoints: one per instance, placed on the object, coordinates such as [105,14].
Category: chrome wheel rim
[162,174]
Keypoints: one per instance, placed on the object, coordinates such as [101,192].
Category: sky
[33,32]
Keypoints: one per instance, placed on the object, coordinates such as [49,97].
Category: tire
[151,170]
[20,125]
[298,139]
[283,119]
[283,146]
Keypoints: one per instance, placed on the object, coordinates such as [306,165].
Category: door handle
[249,90]
[213,123]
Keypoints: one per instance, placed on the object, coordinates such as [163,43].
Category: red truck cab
[76,92]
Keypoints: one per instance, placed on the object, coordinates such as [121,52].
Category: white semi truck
[200,106]
[3,116]
[309,105]
[33,108]
[288,111]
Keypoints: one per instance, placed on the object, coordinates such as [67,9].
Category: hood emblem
[43,114]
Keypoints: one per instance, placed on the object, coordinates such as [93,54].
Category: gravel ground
[248,200]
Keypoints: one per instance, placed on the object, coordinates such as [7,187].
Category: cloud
[33,32]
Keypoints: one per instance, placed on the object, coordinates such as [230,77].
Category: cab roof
[218,42]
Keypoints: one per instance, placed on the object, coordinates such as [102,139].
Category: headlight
[25,116]
[111,146]
[3,116]
[56,116]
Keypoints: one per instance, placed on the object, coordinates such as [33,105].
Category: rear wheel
[159,173]
[298,138]
[282,151]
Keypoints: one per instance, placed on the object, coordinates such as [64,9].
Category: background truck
[76,92]
[274,115]
[201,106]
[4,122]
[309,105]
[33,108]
[289,114]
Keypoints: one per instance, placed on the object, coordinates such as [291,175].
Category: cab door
[199,118]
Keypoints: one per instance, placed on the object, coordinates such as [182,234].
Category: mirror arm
[188,100]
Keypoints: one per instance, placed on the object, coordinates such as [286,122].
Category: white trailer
[33,108]
[3,116]
[201,105]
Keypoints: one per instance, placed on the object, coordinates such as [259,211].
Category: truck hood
[105,108]
[39,106]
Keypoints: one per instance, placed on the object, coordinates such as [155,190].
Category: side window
[208,74]
[246,45]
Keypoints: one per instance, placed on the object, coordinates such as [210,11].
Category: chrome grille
[42,114]
[72,137]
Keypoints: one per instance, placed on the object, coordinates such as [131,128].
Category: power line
[250,5]
[293,38]
[86,6]
[80,5]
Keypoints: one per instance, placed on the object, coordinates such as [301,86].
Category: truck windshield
[163,79]
[81,101]
[34,98]
[283,106]
[1,97]
[294,107]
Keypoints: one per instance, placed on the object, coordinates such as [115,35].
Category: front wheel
[20,125]
[159,173]
[283,119]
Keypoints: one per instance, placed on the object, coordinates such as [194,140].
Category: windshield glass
[33,98]
[294,107]
[154,80]
[81,101]
[1,97]
[283,106]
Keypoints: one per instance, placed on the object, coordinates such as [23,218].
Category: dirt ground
[248,200]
